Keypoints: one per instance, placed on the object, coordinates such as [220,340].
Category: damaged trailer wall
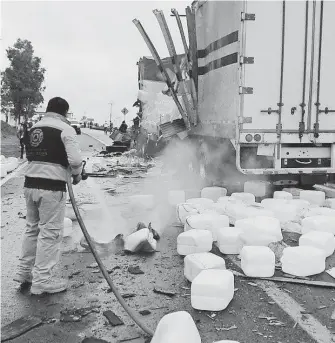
[158,108]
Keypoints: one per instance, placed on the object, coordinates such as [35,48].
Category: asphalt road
[302,314]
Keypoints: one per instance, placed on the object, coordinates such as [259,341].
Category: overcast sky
[89,48]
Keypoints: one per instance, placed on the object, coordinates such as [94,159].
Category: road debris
[128,339]
[93,265]
[19,327]
[77,272]
[76,314]
[93,340]
[333,315]
[331,272]
[113,319]
[167,292]
[323,284]
[252,284]
[78,285]
[110,270]
[128,295]
[144,312]
[226,329]
[135,270]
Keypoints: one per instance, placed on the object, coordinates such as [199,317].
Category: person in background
[21,134]
[123,127]
[53,157]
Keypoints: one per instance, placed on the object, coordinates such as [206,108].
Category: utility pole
[110,115]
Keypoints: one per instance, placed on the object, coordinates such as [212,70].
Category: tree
[21,82]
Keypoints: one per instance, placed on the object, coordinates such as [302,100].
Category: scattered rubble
[76,314]
[113,319]
[144,312]
[164,291]
[135,270]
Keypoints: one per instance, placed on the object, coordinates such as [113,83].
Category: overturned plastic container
[176,327]
[229,240]
[194,241]
[141,240]
[212,290]
[195,263]
[258,261]
[318,223]
[321,240]
[303,261]
[213,193]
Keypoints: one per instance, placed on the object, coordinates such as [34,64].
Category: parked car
[76,125]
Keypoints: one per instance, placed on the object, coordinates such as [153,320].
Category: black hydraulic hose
[303,104]
[118,296]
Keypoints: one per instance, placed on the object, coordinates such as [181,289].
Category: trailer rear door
[324,70]
[285,81]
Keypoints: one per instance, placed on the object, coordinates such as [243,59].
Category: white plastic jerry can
[176,327]
[258,188]
[303,261]
[322,240]
[201,203]
[194,241]
[212,290]
[282,195]
[185,210]
[195,263]
[246,198]
[213,193]
[258,261]
[229,241]
[318,223]
[314,197]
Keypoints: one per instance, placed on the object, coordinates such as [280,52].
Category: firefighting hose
[104,272]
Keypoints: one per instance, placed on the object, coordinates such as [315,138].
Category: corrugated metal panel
[172,128]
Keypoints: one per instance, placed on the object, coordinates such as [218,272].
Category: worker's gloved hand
[76,179]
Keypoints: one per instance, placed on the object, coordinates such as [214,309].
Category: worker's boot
[23,279]
[53,285]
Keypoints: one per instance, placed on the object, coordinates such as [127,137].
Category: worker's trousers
[42,239]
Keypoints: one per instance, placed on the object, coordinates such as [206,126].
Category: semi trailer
[263,73]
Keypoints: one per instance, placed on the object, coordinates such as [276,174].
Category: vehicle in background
[76,125]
